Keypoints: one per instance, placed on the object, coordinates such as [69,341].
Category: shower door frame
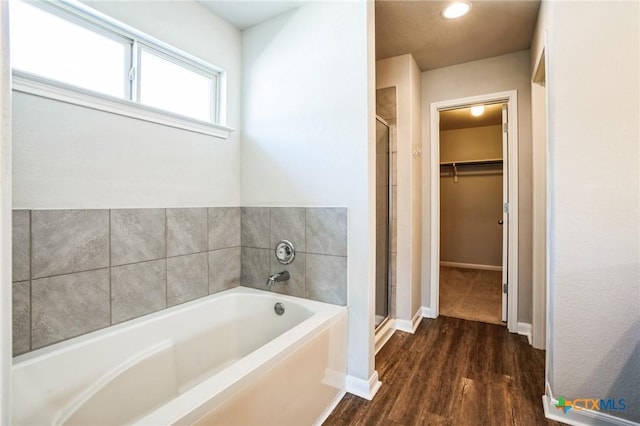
[389,223]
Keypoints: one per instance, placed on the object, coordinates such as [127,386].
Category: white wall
[66,156]
[497,74]
[309,135]
[5,216]
[594,247]
[402,73]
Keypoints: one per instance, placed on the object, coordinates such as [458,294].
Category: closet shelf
[455,164]
[472,162]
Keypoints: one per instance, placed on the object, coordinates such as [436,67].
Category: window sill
[38,86]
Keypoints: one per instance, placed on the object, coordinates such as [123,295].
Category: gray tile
[67,241]
[288,223]
[137,235]
[254,267]
[327,231]
[21,317]
[69,305]
[20,249]
[186,231]
[224,269]
[326,279]
[138,289]
[255,227]
[187,278]
[295,286]
[224,227]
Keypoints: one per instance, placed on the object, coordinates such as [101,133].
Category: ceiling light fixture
[477,110]
[456,9]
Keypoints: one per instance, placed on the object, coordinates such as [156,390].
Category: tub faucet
[279,277]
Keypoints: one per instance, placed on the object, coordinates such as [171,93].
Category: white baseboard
[471,266]
[384,333]
[524,329]
[579,417]
[410,326]
[366,389]
[327,412]
[426,312]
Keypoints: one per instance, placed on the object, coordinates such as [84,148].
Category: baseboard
[426,312]
[524,329]
[327,412]
[366,389]
[581,417]
[384,333]
[410,326]
[471,266]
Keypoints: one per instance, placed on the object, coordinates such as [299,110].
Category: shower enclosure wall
[383,221]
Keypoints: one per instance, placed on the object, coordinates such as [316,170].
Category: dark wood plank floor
[452,372]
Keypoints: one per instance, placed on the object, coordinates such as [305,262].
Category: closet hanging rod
[472,162]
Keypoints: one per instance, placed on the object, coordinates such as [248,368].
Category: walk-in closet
[471,213]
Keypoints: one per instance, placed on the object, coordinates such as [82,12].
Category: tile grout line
[208,263]
[30,282]
[110,276]
[166,244]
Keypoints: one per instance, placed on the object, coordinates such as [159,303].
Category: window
[64,50]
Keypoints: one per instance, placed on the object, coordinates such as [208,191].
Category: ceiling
[461,118]
[244,14]
[491,28]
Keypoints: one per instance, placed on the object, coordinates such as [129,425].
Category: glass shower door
[383,216]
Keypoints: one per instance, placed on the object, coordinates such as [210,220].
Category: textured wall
[594,201]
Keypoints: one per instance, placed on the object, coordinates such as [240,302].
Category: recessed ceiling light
[477,110]
[456,9]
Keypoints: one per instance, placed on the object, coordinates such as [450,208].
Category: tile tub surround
[319,236]
[76,271]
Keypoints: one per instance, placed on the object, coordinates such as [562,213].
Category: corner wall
[594,202]
[497,74]
[402,73]
[309,137]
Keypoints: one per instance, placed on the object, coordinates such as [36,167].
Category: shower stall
[383,221]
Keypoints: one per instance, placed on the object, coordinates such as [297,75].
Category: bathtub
[224,359]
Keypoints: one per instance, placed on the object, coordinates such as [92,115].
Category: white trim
[384,333]
[410,326]
[45,88]
[511,98]
[524,329]
[366,389]
[426,312]
[471,266]
[5,219]
[327,412]
[579,417]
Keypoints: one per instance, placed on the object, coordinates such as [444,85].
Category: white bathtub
[224,359]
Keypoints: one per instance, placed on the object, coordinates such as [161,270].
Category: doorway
[504,272]
[472,183]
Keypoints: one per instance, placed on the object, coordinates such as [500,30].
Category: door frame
[511,99]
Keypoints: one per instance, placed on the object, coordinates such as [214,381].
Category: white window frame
[93,20]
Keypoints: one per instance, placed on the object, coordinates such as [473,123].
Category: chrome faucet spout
[279,277]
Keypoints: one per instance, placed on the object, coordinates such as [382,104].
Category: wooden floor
[452,372]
